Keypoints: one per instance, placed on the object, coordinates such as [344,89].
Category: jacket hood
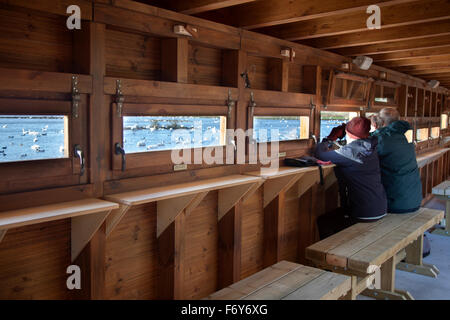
[359,149]
[396,127]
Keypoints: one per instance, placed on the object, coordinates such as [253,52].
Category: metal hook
[78,152]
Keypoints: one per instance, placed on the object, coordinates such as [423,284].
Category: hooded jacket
[399,172]
[358,173]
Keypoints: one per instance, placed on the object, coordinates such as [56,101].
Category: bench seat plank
[287,280]
[338,255]
[327,286]
[387,246]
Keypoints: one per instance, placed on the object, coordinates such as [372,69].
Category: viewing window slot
[331,119]
[444,121]
[158,133]
[289,128]
[422,134]
[33,137]
[435,131]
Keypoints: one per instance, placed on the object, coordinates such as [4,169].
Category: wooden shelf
[428,157]
[283,178]
[87,216]
[174,199]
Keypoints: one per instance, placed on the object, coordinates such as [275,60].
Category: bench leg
[387,295]
[446,230]
[414,262]
[387,289]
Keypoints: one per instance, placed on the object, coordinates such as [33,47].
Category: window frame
[143,160]
[57,171]
[333,100]
[384,84]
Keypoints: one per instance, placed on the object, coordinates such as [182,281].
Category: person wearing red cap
[363,198]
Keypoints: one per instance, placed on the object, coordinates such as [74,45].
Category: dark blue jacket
[399,172]
[358,173]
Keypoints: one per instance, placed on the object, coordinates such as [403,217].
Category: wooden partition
[127,60]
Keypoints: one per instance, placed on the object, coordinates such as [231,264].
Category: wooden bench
[287,281]
[442,191]
[370,252]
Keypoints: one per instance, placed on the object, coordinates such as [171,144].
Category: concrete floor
[426,288]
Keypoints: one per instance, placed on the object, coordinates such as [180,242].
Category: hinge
[311,104]
[230,104]
[76,97]
[119,98]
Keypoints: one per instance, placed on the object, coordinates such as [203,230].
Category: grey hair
[376,121]
[389,115]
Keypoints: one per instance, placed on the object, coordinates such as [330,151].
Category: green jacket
[399,172]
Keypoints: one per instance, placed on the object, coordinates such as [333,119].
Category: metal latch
[76,97]
[119,98]
[78,152]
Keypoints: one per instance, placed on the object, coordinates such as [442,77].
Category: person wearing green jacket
[399,171]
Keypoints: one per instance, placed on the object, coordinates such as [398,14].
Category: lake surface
[38,137]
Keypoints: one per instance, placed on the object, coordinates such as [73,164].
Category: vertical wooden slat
[90,58]
[170,260]
[174,60]
[230,237]
[273,229]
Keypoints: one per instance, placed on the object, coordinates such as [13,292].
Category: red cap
[359,127]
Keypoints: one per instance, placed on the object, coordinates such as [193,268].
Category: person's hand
[337,133]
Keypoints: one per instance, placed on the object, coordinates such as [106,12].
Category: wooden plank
[230,238]
[83,229]
[58,7]
[379,251]
[198,6]
[156,25]
[171,255]
[179,190]
[286,285]
[34,215]
[273,12]
[39,81]
[397,46]
[413,13]
[307,182]
[327,286]
[267,173]
[417,31]
[148,88]
[339,255]
[174,58]
[442,189]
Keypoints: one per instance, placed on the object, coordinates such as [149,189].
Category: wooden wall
[135,43]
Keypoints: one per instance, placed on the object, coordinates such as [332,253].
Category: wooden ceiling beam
[383,35]
[429,72]
[265,13]
[415,61]
[411,13]
[397,46]
[197,6]
[421,53]
[424,67]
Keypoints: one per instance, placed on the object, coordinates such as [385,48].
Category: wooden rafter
[397,46]
[415,61]
[198,6]
[421,53]
[274,12]
[384,35]
[412,13]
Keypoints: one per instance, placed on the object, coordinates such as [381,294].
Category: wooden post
[230,237]
[174,60]
[273,229]
[89,57]
[170,258]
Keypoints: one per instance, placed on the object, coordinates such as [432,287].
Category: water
[141,134]
[18,134]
